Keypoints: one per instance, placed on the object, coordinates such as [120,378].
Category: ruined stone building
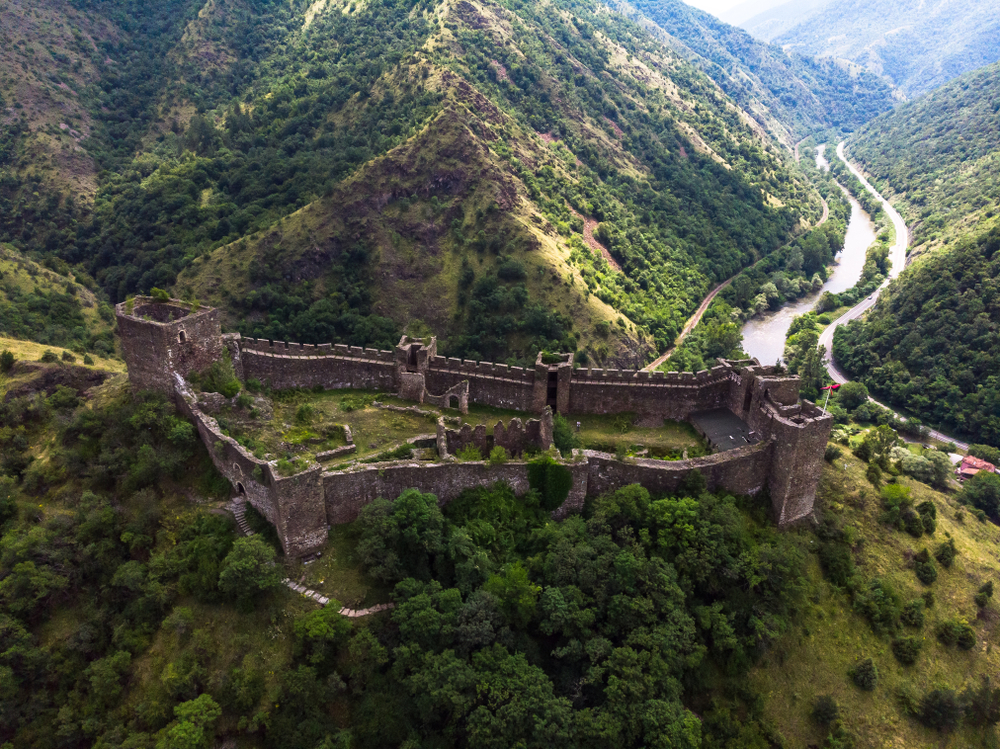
[766,438]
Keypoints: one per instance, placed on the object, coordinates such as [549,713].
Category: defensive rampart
[164,341]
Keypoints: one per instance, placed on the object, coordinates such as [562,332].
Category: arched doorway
[240,490]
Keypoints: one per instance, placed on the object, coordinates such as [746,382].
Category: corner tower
[162,337]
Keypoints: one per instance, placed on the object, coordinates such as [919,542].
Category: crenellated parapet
[780,450]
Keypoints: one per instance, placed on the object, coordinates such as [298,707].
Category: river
[764,335]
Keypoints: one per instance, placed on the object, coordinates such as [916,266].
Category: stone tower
[159,338]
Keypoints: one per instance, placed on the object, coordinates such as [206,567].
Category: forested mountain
[790,94]
[915,44]
[342,171]
[933,344]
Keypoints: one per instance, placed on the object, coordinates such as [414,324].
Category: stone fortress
[764,436]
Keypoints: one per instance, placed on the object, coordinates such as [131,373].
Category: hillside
[916,45]
[420,158]
[932,345]
[46,307]
[790,94]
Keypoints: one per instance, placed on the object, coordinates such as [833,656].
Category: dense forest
[931,347]
[261,153]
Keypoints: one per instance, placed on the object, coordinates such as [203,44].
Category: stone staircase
[237,506]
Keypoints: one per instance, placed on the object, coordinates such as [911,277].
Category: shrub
[243,400]
[941,709]
[551,480]
[957,632]
[880,605]
[836,562]
[49,357]
[159,295]
[946,553]
[913,614]
[873,474]
[832,453]
[219,377]
[982,705]
[563,436]
[985,594]
[498,455]
[350,403]
[88,360]
[913,523]
[469,453]
[824,710]
[925,568]
[305,413]
[928,514]
[253,385]
[865,674]
[68,357]
[6,361]
[907,649]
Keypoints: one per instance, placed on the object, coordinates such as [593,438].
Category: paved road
[897,257]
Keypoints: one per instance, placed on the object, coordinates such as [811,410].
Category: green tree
[983,491]
[6,361]
[249,570]
[193,727]
[515,592]
[852,395]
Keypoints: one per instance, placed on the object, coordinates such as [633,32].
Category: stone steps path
[237,506]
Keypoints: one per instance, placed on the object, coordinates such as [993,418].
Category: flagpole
[827,399]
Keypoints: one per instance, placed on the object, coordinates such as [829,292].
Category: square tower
[162,337]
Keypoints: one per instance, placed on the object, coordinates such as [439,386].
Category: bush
[68,357]
[913,614]
[88,360]
[874,474]
[159,295]
[350,403]
[498,455]
[563,436]
[985,594]
[219,377]
[244,400]
[865,675]
[946,553]
[925,568]
[957,632]
[305,413]
[49,357]
[6,361]
[941,709]
[880,605]
[836,562]
[469,453]
[907,649]
[982,705]
[551,480]
[253,385]
[824,710]
[832,453]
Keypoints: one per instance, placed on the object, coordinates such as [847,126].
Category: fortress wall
[490,384]
[348,491]
[800,443]
[293,505]
[672,401]
[741,471]
[267,346]
[368,371]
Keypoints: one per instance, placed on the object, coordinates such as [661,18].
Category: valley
[425,374]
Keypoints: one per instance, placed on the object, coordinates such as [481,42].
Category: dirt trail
[589,224]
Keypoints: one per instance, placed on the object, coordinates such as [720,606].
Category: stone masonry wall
[171,340]
[308,366]
[293,505]
[741,471]
[350,490]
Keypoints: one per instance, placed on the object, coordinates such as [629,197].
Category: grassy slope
[469,147]
[26,275]
[48,58]
[815,659]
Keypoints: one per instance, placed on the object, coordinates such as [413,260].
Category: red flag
[830,387]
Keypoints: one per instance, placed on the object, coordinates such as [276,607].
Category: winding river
[764,336]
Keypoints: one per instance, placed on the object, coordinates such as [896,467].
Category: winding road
[703,307]
[897,258]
